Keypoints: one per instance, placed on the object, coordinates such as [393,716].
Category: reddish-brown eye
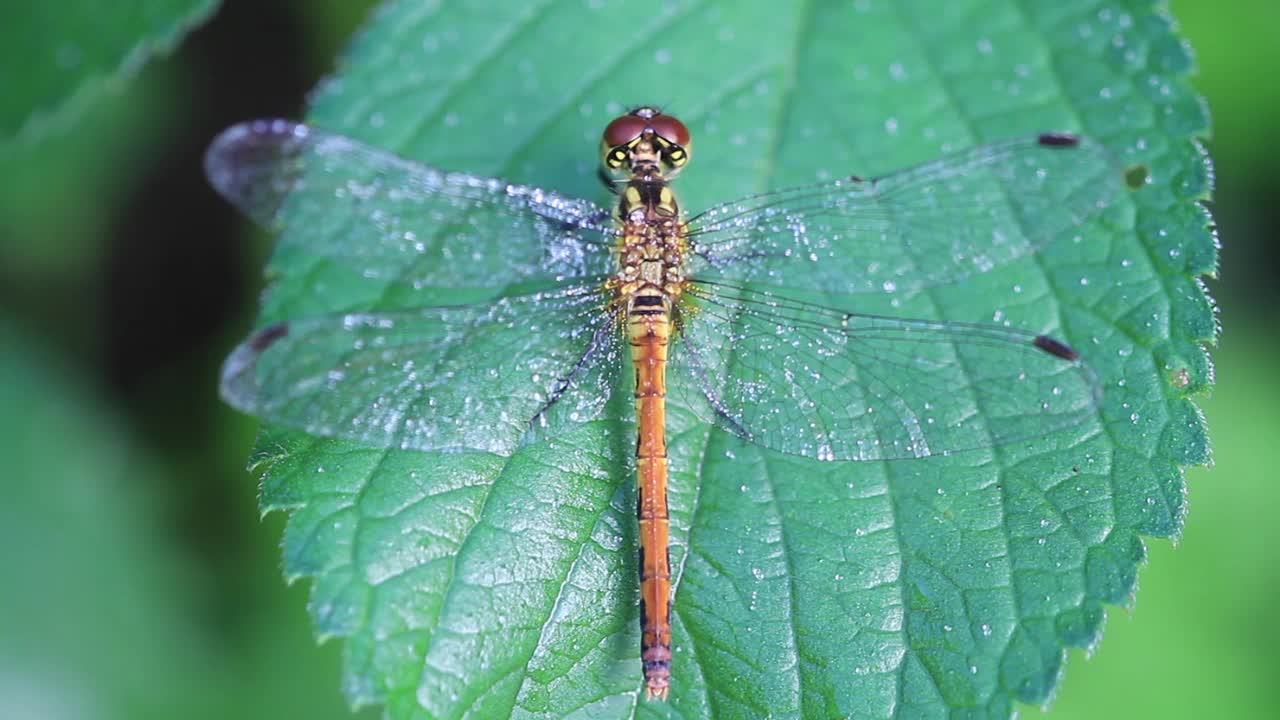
[670,129]
[623,130]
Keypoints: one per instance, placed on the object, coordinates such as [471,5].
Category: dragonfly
[506,309]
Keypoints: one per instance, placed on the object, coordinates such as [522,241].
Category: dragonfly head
[645,139]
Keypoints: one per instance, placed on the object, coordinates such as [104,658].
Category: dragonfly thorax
[651,253]
[651,259]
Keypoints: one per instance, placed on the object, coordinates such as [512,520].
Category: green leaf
[54,57]
[488,585]
[105,611]
[95,617]
[1219,658]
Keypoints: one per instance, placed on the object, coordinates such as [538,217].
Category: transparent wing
[928,225]
[440,378]
[394,220]
[818,382]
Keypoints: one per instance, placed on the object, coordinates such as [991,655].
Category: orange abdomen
[649,331]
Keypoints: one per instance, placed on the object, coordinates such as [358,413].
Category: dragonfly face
[643,141]
[719,311]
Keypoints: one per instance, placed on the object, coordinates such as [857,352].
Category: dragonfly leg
[563,384]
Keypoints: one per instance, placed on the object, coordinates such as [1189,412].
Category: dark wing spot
[1056,139]
[1056,348]
[267,336]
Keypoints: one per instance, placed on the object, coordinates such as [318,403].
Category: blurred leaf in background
[101,616]
[141,584]
[59,57]
[96,612]
[1238,57]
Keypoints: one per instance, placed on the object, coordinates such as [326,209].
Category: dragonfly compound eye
[624,129]
[670,129]
[618,137]
[673,138]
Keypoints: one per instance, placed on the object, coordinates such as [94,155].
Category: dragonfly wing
[924,226]
[469,377]
[394,220]
[818,382]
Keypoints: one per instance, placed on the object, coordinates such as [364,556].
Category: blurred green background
[119,296]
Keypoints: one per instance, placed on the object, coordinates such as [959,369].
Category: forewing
[470,377]
[392,220]
[817,382]
[928,225]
